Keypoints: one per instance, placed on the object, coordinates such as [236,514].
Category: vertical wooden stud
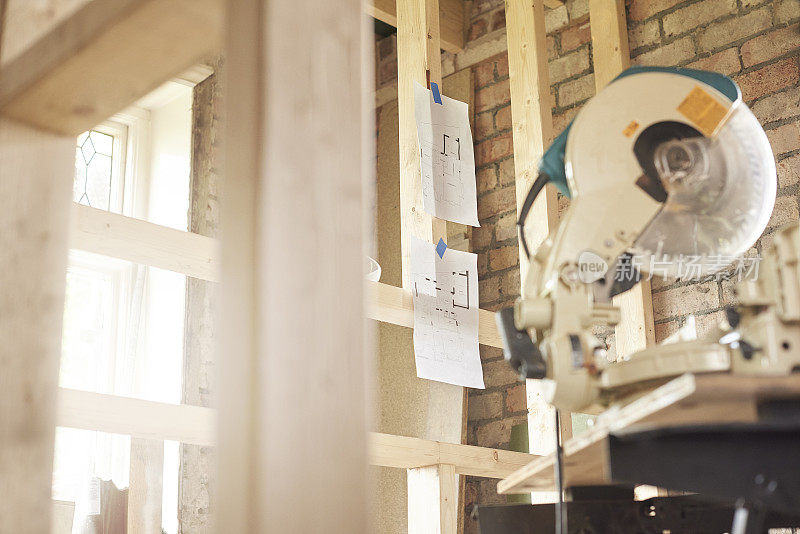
[611,56]
[293,400]
[36,172]
[432,499]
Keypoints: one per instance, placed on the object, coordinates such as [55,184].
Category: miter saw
[664,167]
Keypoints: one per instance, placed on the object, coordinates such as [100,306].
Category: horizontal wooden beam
[395,305]
[130,239]
[194,424]
[136,417]
[451,20]
[104,57]
[126,238]
[387,450]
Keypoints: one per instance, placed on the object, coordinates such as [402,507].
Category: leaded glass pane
[94,157]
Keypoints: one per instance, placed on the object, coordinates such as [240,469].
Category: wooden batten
[451,20]
[104,58]
[611,55]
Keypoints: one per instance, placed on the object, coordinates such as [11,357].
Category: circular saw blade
[710,220]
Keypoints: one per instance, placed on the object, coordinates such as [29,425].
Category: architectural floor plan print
[447,160]
[445,292]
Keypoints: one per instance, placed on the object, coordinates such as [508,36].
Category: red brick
[478,28]
[704,324]
[484,73]
[483,6]
[387,46]
[784,212]
[769,79]
[492,96]
[575,36]
[771,45]
[502,119]
[499,19]
[688,18]
[489,354]
[642,9]
[787,10]
[484,125]
[552,49]
[562,120]
[496,202]
[387,72]
[486,179]
[489,290]
[495,433]
[493,149]
[785,138]
[778,106]
[515,399]
[723,33]
[485,406]
[725,62]
[481,238]
[671,54]
[569,65]
[503,258]
[789,171]
[501,65]
[483,263]
[664,330]
[684,300]
[506,227]
[645,34]
[506,173]
[499,374]
[576,90]
[510,286]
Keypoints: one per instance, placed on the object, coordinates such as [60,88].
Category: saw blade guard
[720,194]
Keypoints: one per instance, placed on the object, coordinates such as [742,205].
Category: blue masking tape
[441,247]
[436,96]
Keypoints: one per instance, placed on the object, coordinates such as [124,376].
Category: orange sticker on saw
[630,129]
[703,110]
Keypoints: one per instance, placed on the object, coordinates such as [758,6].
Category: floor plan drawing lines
[447,159]
[445,296]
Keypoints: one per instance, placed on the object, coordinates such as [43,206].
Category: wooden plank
[136,417]
[532,122]
[104,57]
[611,56]
[609,39]
[387,450]
[418,60]
[126,238]
[688,399]
[150,420]
[432,500]
[395,305]
[145,486]
[295,368]
[130,239]
[451,20]
[33,237]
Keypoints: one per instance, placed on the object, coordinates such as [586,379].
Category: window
[123,322]
[99,160]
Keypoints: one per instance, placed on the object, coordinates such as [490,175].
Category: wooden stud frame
[611,56]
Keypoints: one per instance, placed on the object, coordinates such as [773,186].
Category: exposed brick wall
[758,44]
[755,41]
